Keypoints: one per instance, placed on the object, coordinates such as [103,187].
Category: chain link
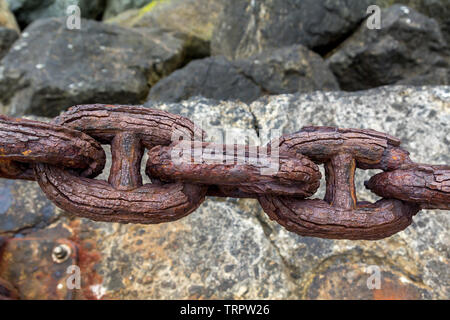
[65,155]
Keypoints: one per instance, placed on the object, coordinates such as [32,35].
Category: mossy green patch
[151,6]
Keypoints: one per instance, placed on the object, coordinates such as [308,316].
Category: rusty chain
[65,156]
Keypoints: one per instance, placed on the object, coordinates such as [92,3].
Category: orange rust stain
[25,153]
[88,257]
[395,291]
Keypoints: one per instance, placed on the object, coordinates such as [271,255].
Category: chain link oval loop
[340,215]
[123,198]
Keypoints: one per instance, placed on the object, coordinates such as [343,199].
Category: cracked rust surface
[296,176]
[25,141]
[428,186]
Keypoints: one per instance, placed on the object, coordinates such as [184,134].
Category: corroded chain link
[65,156]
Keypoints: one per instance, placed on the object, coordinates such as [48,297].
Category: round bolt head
[61,253]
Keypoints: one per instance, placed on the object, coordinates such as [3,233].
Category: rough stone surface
[7,38]
[213,77]
[23,207]
[409,49]
[28,11]
[114,7]
[52,68]
[7,19]
[230,249]
[194,20]
[284,70]
[436,9]
[249,27]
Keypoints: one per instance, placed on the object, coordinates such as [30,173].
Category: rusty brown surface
[98,200]
[28,141]
[28,263]
[88,258]
[124,198]
[7,290]
[426,185]
[339,215]
[153,127]
[296,176]
[59,150]
[371,149]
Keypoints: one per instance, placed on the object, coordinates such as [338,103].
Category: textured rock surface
[213,77]
[284,70]
[194,19]
[7,19]
[52,68]
[19,213]
[249,27]
[230,249]
[114,7]
[28,11]
[436,9]
[7,38]
[409,48]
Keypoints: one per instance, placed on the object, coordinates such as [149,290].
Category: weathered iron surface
[153,127]
[98,200]
[64,155]
[371,149]
[240,171]
[28,263]
[339,215]
[28,141]
[123,198]
[428,186]
[7,290]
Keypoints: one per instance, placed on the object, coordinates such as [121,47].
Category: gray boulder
[7,38]
[249,27]
[27,11]
[409,49]
[229,249]
[52,68]
[213,77]
[284,70]
[436,9]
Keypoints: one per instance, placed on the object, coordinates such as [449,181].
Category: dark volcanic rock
[284,70]
[52,68]
[24,207]
[409,49]
[28,11]
[249,27]
[288,70]
[7,38]
[214,77]
[436,9]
